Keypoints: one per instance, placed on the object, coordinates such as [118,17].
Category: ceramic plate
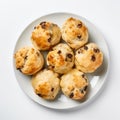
[97,79]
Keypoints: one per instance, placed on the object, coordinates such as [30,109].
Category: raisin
[79,36]
[19,69]
[73,66]
[71,95]
[39,95]
[35,27]
[96,50]
[85,47]
[43,24]
[52,89]
[53,66]
[49,39]
[93,58]
[69,55]
[59,51]
[83,75]
[79,25]
[26,57]
[82,91]
[80,51]
[85,88]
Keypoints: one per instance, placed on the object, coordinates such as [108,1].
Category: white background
[15,16]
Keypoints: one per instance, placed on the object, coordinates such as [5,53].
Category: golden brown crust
[46,84]
[88,58]
[75,33]
[45,35]
[61,59]
[28,60]
[74,84]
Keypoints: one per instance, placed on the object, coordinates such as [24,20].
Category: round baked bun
[60,59]
[74,84]
[28,60]
[45,35]
[88,58]
[46,84]
[75,33]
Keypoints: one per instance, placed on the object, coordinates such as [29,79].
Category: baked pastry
[75,33]
[46,84]
[45,35]
[28,60]
[60,59]
[88,58]
[74,84]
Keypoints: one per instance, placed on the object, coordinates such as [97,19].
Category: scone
[45,35]
[74,84]
[75,33]
[46,84]
[28,60]
[88,58]
[60,59]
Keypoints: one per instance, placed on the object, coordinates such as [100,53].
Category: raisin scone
[28,60]
[46,84]
[74,84]
[45,35]
[88,58]
[75,33]
[60,59]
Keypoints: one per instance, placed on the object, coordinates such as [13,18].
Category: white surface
[15,16]
[96,79]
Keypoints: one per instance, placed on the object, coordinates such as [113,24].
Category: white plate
[97,79]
